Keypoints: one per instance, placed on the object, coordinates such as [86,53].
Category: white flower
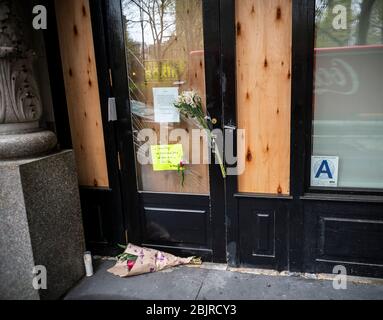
[188,100]
[197,99]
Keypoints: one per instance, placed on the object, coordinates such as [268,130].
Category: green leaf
[126,256]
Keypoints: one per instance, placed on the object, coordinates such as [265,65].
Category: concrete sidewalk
[210,283]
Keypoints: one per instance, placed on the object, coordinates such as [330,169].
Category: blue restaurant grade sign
[324,171]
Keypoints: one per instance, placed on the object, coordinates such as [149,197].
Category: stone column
[20,103]
[40,211]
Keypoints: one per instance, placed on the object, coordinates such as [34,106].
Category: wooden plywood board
[197,73]
[82,92]
[264,35]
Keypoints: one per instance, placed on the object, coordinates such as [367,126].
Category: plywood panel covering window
[80,75]
[264,93]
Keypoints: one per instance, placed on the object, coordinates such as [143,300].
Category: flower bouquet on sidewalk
[137,260]
[189,103]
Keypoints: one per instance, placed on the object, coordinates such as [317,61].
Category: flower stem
[223,170]
[218,154]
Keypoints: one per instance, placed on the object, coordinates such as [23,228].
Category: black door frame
[297,218]
[114,37]
[229,103]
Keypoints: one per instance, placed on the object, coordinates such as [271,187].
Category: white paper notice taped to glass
[324,171]
[163,101]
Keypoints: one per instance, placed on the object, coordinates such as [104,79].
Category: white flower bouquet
[189,103]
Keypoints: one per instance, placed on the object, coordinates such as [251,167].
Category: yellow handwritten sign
[166,157]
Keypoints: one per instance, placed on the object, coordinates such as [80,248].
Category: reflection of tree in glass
[364,23]
[157,16]
[160,35]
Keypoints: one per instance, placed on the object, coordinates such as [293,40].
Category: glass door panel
[165,56]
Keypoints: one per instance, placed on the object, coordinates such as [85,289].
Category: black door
[258,205]
[158,50]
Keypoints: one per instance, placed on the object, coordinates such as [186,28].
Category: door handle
[230,127]
[112,110]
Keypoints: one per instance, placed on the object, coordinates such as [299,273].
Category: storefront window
[348,95]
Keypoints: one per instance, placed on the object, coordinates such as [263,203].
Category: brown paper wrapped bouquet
[137,260]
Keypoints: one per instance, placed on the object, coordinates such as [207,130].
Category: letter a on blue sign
[324,168]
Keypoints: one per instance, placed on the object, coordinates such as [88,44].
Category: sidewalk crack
[202,283]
